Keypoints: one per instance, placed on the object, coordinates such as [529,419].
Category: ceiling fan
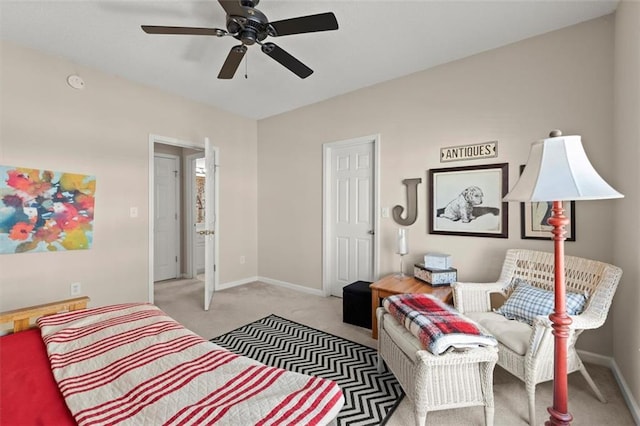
[250,26]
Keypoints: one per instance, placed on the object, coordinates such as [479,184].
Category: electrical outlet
[76,289]
[242,260]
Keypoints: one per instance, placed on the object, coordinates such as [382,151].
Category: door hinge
[176,259]
[214,268]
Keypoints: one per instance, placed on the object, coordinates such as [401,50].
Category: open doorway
[183,165]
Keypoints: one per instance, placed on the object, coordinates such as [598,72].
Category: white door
[198,224]
[350,214]
[210,219]
[165,239]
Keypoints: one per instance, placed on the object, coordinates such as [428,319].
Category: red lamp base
[560,323]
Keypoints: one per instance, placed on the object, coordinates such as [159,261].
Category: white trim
[188,208]
[610,363]
[216,212]
[153,139]
[626,393]
[151,166]
[291,286]
[272,281]
[326,185]
[594,358]
[237,283]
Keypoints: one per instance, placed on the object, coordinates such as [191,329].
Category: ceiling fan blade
[288,61]
[232,7]
[232,62]
[305,24]
[155,29]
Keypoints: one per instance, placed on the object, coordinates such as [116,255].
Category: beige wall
[103,130]
[626,314]
[515,95]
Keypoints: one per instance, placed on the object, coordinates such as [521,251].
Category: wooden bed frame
[22,403]
[22,318]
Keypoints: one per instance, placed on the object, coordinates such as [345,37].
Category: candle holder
[402,250]
[401,275]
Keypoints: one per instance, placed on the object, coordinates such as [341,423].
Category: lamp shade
[557,170]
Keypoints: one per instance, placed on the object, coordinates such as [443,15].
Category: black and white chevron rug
[370,397]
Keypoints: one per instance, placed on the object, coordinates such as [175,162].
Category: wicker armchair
[527,351]
[436,382]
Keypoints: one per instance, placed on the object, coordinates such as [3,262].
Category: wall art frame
[45,211]
[534,215]
[467,201]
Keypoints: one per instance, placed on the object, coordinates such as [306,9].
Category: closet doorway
[350,203]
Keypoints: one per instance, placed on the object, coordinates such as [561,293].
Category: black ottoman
[356,304]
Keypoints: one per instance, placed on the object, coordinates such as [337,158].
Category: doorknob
[371,232]
[206,232]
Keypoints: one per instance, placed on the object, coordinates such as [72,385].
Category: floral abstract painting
[42,210]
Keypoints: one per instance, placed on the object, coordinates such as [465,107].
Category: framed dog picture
[468,201]
[533,219]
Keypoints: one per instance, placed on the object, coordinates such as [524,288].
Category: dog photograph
[461,207]
[468,200]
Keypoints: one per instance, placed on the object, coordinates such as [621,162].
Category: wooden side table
[393,284]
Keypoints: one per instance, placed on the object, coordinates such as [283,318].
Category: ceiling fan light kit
[250,26]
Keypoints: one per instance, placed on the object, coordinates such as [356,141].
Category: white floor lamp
[558,170]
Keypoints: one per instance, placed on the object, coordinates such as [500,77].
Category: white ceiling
[377,41]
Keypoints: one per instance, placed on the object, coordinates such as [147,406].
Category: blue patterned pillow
[527,302]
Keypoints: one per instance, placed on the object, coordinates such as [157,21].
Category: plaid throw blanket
[438,326]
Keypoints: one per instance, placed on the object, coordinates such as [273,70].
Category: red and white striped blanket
[133,364]
[438,326]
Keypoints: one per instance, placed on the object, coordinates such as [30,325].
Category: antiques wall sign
[469,152]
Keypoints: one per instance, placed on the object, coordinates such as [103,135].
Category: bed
[133,364]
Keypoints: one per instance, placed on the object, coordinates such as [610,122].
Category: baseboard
[231,284]
[609,362]
[292,286]
[279,283]
[597,359]
[626,393]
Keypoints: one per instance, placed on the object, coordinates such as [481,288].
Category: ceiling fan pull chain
[246,67]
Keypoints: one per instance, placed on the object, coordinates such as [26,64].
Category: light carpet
[236,306]
[370,397]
